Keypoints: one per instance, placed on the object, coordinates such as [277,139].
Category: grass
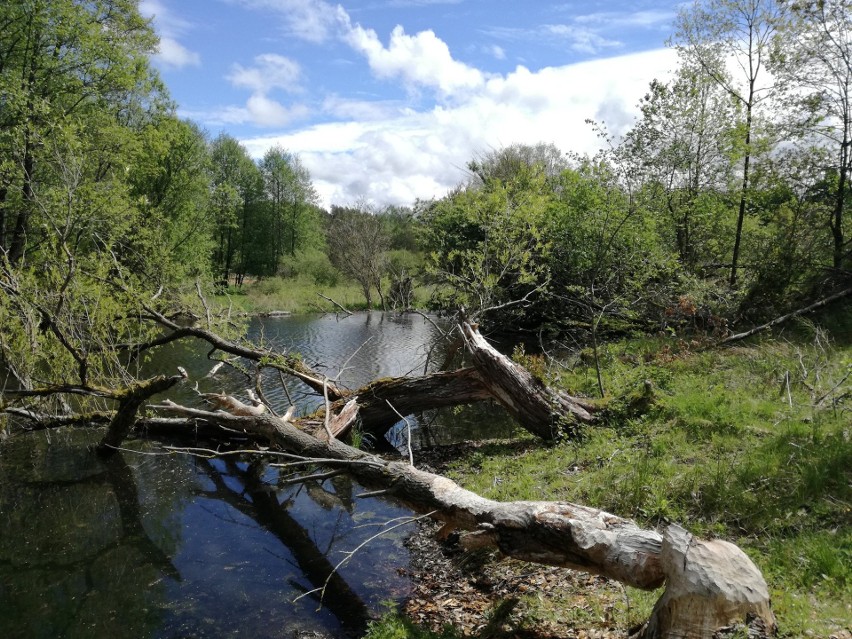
[300,294]
[752,443]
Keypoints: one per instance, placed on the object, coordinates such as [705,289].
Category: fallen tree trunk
[780,320]
[382,402]
[535,406]
[712,581]
[131,399]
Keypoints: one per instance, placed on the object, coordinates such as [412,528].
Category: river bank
[299,295]
[751,444]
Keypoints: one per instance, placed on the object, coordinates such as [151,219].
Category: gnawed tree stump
[712,587]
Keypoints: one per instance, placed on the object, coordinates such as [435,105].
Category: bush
[311,264]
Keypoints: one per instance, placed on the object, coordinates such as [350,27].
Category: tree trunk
[538,408]
[836,222]
[744,190]
[125,417]
[710,585]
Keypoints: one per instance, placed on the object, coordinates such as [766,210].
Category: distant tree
[357,245]
[486,243]
[507,162]
[715,35]
[170,181]
[234,189]
[682,146]
[292,199]
[813,57]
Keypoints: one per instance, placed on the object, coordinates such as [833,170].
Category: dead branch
[788,316]
[337,304]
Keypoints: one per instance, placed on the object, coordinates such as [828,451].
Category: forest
[725,206]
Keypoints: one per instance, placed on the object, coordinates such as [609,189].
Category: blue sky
[387,100]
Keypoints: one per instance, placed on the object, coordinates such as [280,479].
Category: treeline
[728,200]
[729,197]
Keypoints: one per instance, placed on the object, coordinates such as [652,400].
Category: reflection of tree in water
[71,534]
[86,545]
[259,501]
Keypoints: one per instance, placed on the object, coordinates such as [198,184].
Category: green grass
[394,626]
[745,443]
[300,294]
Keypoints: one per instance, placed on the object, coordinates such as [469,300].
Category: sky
[388,100]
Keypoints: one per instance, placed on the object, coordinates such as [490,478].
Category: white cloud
[615,19]
[420,60]
[172,53]
[408,154]
[169,27]
[582,39]
[311,20]
[497,51]
[271,71]
[259,110]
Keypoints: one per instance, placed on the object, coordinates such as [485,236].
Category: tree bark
[537,407]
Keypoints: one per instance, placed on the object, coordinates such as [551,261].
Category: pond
[149,544]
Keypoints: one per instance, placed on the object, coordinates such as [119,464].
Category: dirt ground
[485,595]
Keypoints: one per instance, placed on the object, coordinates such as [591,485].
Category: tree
[66,68]
[170,183]
[715,35]
[486,243]
[814,57]
[235,194]
[357,243]
[292,199]
[681,144]
[505,163]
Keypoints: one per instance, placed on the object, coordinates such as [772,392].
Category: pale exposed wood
[710,585]
[337,304]
[232,405]
[538,408]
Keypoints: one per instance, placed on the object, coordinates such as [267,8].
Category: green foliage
[313,265]
[487,247]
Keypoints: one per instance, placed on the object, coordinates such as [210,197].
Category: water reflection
[354,350]
[76,559]
[154,545]
[150,545]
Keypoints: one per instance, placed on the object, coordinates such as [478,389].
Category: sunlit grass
[743,443]
[301,294]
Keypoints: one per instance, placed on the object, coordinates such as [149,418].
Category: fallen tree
[710,585]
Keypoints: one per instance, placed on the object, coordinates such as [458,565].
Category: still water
[161,545]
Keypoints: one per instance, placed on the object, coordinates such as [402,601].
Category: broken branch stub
[541,410]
